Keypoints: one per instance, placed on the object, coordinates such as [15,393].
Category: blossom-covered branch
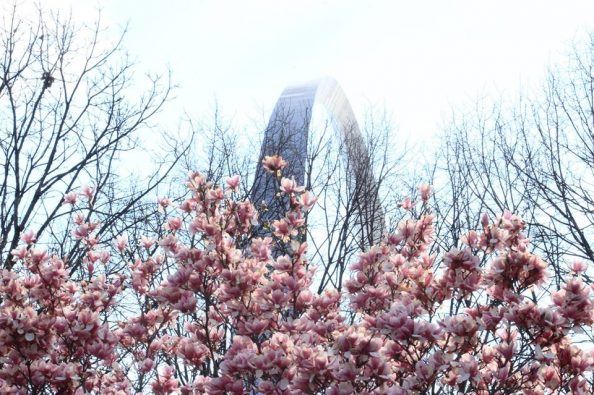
[224,309]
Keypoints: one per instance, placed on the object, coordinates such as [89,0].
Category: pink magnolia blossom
[307,200]
[578,267]
[210,306]
[407,204]
[274,164]
[88,192]
[29,237]
[147,242]
[70,198]
[164,203]
[174,224]
[121,243]
[425,191]
[165,383]
[290,186]
[233,182]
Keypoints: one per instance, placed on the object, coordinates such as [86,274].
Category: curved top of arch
[287,135]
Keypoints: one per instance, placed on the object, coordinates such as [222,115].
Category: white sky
[417,59]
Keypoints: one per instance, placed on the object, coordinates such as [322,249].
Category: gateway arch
[287,135]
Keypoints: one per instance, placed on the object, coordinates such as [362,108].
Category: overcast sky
[417,59]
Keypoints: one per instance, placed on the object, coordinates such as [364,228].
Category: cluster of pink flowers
[55,335]
[218,310]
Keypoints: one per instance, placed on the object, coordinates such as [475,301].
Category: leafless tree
[534,157]
[70,114]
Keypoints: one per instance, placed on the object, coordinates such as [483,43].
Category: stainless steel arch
[287,135]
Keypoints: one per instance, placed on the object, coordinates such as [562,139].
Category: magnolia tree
[211,308]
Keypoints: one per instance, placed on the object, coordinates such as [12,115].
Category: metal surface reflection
[287,135]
